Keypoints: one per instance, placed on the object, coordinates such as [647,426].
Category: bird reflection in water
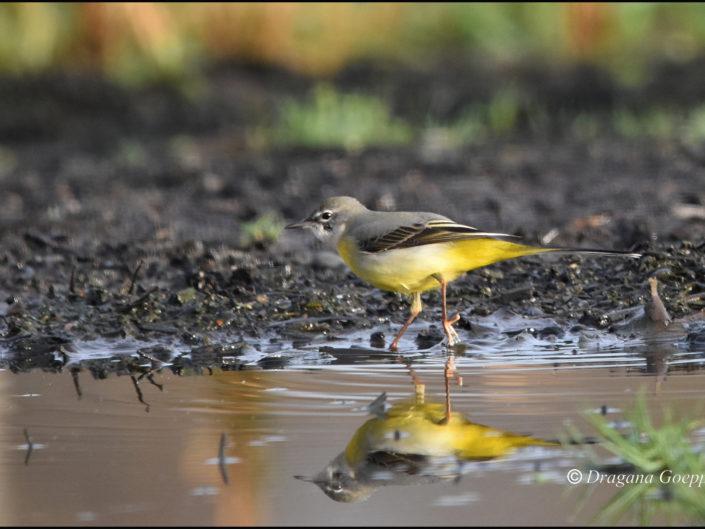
[413,442]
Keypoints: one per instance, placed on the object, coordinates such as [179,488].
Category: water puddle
[326,430]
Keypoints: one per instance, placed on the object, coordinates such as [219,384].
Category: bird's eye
[326,215]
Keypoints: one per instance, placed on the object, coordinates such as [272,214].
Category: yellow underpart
[410,270]
[412,428]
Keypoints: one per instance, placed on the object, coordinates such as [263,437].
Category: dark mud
[121,214]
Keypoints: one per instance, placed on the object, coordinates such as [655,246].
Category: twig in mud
[305,319]
[45,242]
[72,280]
[149,373]
[76,383]
[30,447]
[617,314]
[694,298]
[155,361]
[156,328]
[142,298]
[222,463]
[150,377]
[133,279]
[140,397]
[64,355]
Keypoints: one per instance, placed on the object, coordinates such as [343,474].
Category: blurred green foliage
[662,123]
[137,42]
[143,42]
[354,121]
[653,123]
[333,119]
[476,123]
[34,36]
[663,452]
[261,230]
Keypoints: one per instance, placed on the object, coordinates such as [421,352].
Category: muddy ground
[121,210]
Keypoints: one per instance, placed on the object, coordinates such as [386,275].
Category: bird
[412,442]
[412,252]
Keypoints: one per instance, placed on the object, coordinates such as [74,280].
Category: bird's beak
[297,225]
[307,479]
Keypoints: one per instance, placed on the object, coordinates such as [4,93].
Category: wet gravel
[125,220]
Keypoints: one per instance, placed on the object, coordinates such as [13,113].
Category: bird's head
[328,221]
[339,482]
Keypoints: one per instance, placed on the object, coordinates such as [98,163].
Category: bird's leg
[446,378]
[452,336]
[448,326]
[415,310]
[419,386]
[450,372]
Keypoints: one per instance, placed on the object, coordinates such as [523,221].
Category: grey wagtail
[412,442]
[411,252]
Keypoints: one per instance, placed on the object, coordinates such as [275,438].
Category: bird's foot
[451,334]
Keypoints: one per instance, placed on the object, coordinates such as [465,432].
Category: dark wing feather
[420,233]
[401,463]
[392,239]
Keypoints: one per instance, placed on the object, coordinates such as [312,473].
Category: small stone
[377,340]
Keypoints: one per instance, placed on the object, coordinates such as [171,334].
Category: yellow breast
[405,270]
[420,429]
[409,270]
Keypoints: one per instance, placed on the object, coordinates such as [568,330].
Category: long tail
[592,251]
[475,253]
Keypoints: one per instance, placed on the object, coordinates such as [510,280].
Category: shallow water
[118,452]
